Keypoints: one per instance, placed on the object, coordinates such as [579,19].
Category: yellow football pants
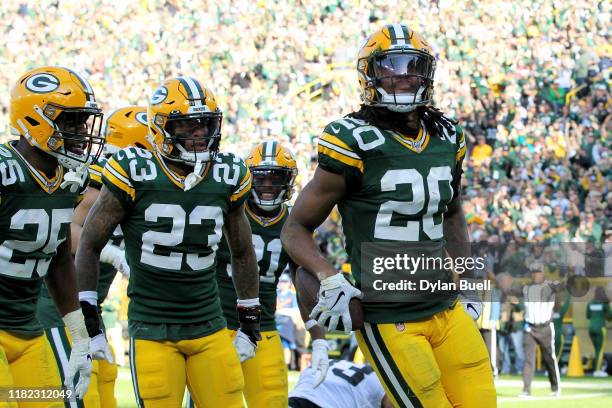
[437,362]
[107,375]
[265,375]
[26,363]
[60,342]
[209,366]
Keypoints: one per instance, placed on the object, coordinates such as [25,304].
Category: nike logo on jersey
[269,337]
[335,129]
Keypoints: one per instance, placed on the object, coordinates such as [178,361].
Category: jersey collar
[177,179]
[266,221]
[49,185]
[418,144]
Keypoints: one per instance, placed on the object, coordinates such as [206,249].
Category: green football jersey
[35,216]
[397,191]
[46,311]
[271,260]
[171,236]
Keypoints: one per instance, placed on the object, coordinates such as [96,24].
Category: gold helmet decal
[274,169]
[126,127]
[396,68]
[55,110]
[184,121]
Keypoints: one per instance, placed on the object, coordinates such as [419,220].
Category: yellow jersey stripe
[111,176]
[349,161]
[336,141]
[460,154]
[241,191]
[113,163]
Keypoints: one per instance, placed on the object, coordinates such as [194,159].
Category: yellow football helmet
[396,68]
[185,121]
[274,169]
[126,127]
[55,110]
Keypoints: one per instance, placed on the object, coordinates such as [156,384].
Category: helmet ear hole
[32,121]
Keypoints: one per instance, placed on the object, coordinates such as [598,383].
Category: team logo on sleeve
[141,117]
[42,83]
[159,95]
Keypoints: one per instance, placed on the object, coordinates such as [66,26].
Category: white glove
[80,360]
[100,350]
[244,346]
[334,297]
[112,254]
[474,308]
[319,361]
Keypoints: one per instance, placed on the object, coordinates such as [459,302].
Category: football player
[394,169]
[346,385]
[173,204]
[121,128]
[43,177]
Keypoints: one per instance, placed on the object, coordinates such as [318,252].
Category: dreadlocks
[434,119]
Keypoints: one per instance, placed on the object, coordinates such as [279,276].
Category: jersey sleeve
[242,191]
[115,177]
[95,173]
[459,157]
[337,154]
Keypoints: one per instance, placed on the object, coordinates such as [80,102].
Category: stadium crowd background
[528,81]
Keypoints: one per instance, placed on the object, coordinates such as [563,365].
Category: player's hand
[474,308]
[249,315]
[112,254]
[99,349]
[80,360]
[244,346]
[319,361]
[334,297]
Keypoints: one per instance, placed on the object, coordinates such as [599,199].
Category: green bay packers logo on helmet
[141,117]
[159,95]
[42,83]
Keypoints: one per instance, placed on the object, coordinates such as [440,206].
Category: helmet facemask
[195,137]
[271,186]
[76,139]
[401,79]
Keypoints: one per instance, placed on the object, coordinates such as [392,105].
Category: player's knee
[152,381]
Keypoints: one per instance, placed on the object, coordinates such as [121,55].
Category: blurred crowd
[528,80]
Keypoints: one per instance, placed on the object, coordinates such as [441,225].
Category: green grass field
[584,392]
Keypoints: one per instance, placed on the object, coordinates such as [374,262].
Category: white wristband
[89,296]
[75,322]
[248,302]
[310,324]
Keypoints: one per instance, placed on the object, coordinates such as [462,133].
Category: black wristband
[92,319]
[249,318]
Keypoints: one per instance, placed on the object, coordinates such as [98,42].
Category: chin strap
[75,178]
[194,178]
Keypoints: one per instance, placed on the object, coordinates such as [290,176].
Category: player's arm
[245,275]
[312,207]
[62,286]
[320,348]
[104,216]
